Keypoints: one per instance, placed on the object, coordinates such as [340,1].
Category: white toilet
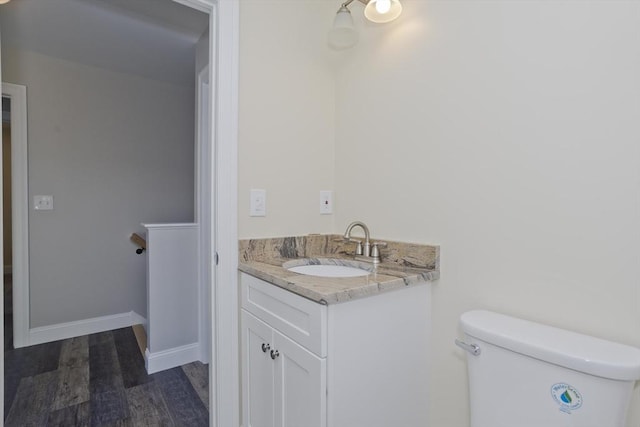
[530,375]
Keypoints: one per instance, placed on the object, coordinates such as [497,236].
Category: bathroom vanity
[333,352]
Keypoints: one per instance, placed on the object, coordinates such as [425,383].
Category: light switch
[43,203]
[258,203]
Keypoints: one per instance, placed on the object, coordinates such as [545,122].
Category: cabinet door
[257,373]
[300,385]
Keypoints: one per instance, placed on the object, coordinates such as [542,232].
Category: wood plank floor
[100,380]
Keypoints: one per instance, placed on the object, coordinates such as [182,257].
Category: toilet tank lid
[572,350]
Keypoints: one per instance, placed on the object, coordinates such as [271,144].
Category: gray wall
[202,52]
[114,150]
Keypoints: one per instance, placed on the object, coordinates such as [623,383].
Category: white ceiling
[150,38]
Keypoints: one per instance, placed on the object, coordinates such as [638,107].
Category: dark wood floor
[99,380]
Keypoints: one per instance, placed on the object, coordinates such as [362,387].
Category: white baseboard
[167,359]
[78,328]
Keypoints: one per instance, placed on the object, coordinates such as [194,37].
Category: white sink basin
[329,270]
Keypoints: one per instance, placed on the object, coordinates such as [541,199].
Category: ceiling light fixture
[4,1]
[343,34]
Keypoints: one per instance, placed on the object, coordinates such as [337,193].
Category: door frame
[203,209]
[19,212]
[222,240]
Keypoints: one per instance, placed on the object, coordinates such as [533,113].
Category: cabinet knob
[274,354]
[265,347]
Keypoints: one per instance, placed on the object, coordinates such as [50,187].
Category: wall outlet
[258,203]
[326,202]
[43,203]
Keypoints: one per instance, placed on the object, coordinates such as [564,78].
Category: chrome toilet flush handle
[471,348]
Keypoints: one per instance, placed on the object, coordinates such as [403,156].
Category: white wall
[114,150]
[507,132]
[286,110]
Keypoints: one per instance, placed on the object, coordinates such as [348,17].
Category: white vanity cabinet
[363,362]
[285,382]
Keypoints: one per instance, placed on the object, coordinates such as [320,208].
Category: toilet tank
[532,375]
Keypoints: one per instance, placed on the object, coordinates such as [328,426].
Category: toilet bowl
[524,374]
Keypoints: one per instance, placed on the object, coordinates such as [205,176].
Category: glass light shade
[4,1]
[343,34]
[383,12]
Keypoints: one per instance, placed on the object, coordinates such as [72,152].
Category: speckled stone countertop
[403,264]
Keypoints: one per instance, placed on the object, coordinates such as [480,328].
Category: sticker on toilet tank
[566,396]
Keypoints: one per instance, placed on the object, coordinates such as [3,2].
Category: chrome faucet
[360,250]
[365,251]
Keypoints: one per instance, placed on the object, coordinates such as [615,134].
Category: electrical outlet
[326,202]
[258,203]
[43,203]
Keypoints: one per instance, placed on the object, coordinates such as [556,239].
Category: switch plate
[326,202]
[43,203]
[258,203]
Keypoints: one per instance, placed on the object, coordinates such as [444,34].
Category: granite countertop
[403,264]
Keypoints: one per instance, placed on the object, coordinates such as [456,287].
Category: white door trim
[223,238]
[225,293]
[19,212]
[203,209]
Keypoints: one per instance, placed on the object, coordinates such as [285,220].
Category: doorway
[222,237]
[15,232]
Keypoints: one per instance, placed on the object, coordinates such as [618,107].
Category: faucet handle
[375,252]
